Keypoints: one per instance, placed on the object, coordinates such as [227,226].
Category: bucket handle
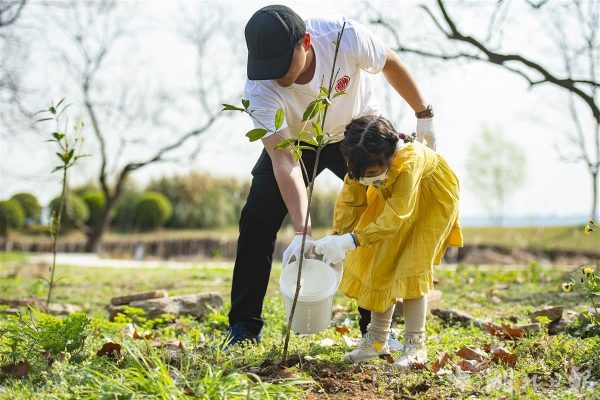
[339,266]
[297,248]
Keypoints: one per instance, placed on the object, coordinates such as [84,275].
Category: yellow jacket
[404,227]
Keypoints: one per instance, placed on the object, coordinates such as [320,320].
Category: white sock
[379,328]
[415,311]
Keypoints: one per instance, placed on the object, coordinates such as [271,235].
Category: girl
[396,215]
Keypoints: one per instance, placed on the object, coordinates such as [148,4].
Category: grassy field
[559,366]
[556,237]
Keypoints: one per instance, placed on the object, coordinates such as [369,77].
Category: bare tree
[578,82]
[135,121]
[10,10]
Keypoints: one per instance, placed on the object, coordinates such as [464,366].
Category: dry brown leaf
[501,354]
[418,365]
[472,353]
[389,358]
[342,330]
[472,366]
[110,349]
[504,331]
[188,391]
[19,370]
[441,361]
[147,336]
[170,345]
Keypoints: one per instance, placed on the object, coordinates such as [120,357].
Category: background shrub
[12,216]
[75,209]
[201,201]
[95,200]
[153,209]
[30,206]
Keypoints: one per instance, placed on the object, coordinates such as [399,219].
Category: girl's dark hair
[368,141]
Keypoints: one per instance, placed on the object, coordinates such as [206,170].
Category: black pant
[261,218]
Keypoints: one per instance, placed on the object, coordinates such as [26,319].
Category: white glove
[426,131]
[294,248]
[334,247]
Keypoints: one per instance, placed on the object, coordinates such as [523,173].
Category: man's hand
[294,248]
[425,131]
[334,247]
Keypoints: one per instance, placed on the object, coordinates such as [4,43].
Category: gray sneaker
[366,350]
[414,351]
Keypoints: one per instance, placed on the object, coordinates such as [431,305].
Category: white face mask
[374,180]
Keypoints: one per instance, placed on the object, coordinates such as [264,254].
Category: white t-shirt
[360,50]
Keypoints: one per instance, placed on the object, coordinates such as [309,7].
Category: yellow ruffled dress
[404,226]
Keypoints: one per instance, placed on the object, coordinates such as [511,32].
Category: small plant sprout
[69,146]
[311,137]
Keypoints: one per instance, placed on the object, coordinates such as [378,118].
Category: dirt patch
[334,381]
[352,382]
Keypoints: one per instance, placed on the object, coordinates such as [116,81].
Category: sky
[466,97]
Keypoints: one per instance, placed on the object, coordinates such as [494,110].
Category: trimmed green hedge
[30,205]
[95,200]
[12,216]
[75,209]
[153,210]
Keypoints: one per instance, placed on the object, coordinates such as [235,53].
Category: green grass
[499,294]
[555,237]
[11,256]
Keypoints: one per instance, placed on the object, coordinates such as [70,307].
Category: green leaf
[306,148]
[317,130]
[70,154]
[57,168]
[337,94]
[278,119]
[60,102]
[296,154]
[229,107]
[256,134]
[310,140]
[284,144]
[311,110]
[61,156]
[44,119]
[324,91]
[57,135]
[246,103]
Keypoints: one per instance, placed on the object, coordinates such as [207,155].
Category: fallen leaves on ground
[110,349]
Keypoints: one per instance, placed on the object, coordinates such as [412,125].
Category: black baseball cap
[271,34]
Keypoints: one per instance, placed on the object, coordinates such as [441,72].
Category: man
[288,60]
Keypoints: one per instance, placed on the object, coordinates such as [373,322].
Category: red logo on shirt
[342,83]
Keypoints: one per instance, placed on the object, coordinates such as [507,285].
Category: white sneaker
[414,351]
[366,350]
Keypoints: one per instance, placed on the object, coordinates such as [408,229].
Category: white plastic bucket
[318,284]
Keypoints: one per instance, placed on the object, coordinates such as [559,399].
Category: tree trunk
[96,231]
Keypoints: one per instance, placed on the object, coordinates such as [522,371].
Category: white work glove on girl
[425,131]
[294,248]
[334,247]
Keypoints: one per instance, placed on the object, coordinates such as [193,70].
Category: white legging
[415,311]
